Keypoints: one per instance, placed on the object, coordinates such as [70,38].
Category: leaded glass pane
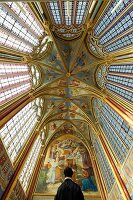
[117,79]
[27,16]
[15,80]
[11,24]
[6,39]
[119,27]
[104,166]
[124,41]
[55,12]
[108,16]
[17,130]
[116,130]
[27,171]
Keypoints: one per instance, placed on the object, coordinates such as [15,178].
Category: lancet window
[103,165]
[27,171]
[19,29]
[117,79]
[118,133]
[16,79]
[17,130]
[119,27]
[109,15]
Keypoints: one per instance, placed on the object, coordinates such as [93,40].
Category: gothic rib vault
[67,59]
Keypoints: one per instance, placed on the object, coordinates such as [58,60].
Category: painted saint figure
[52,171]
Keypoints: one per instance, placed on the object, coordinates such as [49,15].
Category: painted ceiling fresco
[68,82]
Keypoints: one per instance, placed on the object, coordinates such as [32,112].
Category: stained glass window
[35,75]
[104,165]
[8,40]
[118,79]
[26,15]
[9,22]
[20,30]
[117,131]
[69,12]
[55,12]
[128,95]
[27,171]
[15,79]
[108,16]
[120,43]
[81,12]
[17,130]
[119,27]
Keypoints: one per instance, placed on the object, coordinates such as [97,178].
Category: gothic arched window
[117,78]
[27,171]
[17,130]
[118,133]
[16,79]
[109,15]
[19,29]
[103,164]
[113,31]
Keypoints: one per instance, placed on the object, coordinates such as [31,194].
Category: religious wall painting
[84,103]
[66,151]
[83,59]
[74,82]
[6,169]
[53,126]
[80,61]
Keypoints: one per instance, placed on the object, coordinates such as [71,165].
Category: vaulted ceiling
[67,69]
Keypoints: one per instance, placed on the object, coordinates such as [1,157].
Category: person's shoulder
[76,185]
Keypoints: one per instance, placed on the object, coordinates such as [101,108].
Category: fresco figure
[88,181]
[64,153]
[52,171]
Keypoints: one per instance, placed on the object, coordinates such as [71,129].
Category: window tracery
[108,16]
[69,16]
[117,79]
[122,25]
[118,133]
[35,76]
[15,79]
[19,28]
[17,130]
[103,164]
[27,171]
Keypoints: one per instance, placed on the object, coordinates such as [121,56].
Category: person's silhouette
[69,190]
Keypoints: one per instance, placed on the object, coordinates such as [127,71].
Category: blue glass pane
[125,41]
[122,25]
[108,17]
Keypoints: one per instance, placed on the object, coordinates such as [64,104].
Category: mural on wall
[6,169]
[61,153]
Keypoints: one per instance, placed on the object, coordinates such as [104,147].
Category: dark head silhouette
[68,172]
